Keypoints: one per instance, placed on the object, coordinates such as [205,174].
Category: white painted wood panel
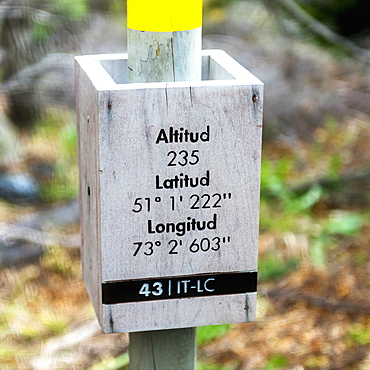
[180,313]
[88,118]
[130,163]
[133,223]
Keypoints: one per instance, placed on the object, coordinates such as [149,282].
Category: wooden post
[169,190]
[164,40]
[163,349]
[164,45]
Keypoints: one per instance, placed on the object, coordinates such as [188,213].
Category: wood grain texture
[180,313]
[155,57]
[119,148]
[170,349]
[164,56]
[87,119]
[232,156]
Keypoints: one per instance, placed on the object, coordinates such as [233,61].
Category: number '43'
[145,289]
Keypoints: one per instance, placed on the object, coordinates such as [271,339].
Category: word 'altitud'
[182,135]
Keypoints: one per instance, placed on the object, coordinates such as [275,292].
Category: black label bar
[179,287]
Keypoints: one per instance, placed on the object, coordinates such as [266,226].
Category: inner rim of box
[117,69]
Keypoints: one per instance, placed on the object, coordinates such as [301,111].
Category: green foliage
[206,334]
[306,201]
[283,209]
[361,257]
[65,180]
[274,177]
[272,266]
[278,361]
[359,334]
[318,251]
[207,366]
[288,207]
[54,323]
[119,362]
[117,7]
[73,8]
[275,184]
[41,31]
[20,321]
[210,366]
[56,135]
[343,224]
[217,3]
[68,142]
[58,260]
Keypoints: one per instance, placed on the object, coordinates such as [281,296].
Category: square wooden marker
[169,194]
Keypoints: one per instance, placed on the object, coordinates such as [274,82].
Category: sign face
[177,193]
[179,190]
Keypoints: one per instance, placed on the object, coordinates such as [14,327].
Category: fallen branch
[361,177]
[346,191]
[19,244]
[52,351]
[28,239]
[324,32]
[49,77]
[291,296]
[58,216]
[14,233]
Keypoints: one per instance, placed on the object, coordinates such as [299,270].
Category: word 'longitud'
[180,228]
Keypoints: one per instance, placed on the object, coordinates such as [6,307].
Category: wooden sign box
[169,194]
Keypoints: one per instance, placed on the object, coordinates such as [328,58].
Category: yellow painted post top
[164,15]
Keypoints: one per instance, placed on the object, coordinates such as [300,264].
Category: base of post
[163,349]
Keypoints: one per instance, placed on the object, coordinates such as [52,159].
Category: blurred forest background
[313,303]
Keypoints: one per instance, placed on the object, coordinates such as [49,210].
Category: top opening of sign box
[109,71]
